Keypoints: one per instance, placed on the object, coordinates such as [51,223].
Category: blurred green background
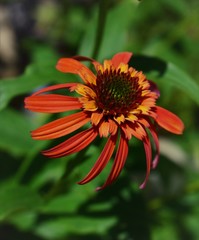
[39,197]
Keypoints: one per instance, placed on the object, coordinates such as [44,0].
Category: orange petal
[85,91]
[72,145]
[104,129]
[69,65]
[55,87]
[112,127]
[96,117]
[169,121]
[127,130]
[88,105]
[102,160]
[133,129]
[147,147]
[119,162]
[139,131]
[61,127]
[51,103]
[122,57]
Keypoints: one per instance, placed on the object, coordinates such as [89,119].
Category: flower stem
[28,161]
[103,9]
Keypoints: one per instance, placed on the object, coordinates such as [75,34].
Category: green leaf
[61,227]
[34,76]
[178,6]
[16,198]
[168,74]
[181,80]
[24,220]
[14,129]
[69,202]
[40,72]
[115,32]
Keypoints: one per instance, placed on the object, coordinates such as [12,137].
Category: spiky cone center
[118,93]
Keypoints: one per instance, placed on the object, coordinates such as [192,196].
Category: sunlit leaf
[62,226]
[24,220]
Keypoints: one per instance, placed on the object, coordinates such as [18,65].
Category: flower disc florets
[117,92]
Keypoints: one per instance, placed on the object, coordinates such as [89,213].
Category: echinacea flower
[118,102]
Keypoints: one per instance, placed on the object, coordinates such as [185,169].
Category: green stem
[63,184]
[28,161]
[103,9]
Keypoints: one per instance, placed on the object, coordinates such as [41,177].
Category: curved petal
[73,144]
[71,86]
[122,57]
[169,121]
[61,127]
[102,160]
[69,65]
[157,147]
[51,103]
[119,162]
[147,147]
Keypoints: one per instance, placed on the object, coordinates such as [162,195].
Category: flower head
[118,102]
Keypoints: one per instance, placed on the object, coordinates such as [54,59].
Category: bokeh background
[39,197]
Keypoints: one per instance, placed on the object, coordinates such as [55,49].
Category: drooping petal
[102,160]
[157,147]
[61,127]
[119,162]
[71,86]
[69,65]
[73,144]
[52,103]
[169,121]
[122,57]
[147,147]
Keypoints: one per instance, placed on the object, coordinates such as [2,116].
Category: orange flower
[117,101]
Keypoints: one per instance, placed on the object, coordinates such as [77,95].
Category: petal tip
[142,186]
[169,121]
[122,57]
